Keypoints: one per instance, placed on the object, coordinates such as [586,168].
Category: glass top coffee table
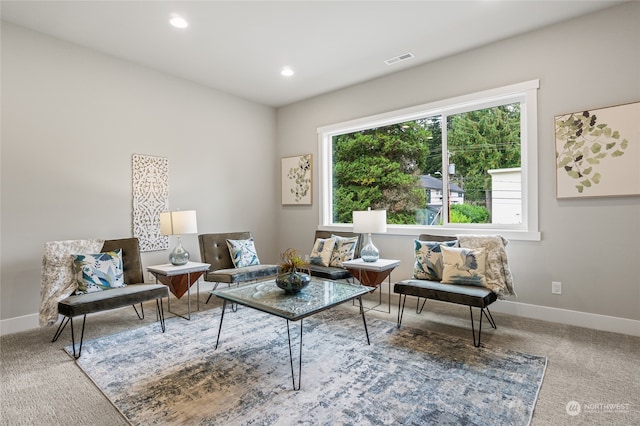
[318,296]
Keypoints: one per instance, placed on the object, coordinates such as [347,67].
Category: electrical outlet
[556,287]
[152,278]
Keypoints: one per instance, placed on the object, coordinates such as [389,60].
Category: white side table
[179,279]
[373,274]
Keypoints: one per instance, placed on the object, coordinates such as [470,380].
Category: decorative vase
[179,256]
[369,253]
[293,282]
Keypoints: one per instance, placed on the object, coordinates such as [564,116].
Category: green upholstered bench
[133,293]
[472,296]
[214,251]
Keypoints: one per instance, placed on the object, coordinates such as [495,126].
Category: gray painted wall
[71,120]
[591,245]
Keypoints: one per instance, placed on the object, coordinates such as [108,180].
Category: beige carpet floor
[41,385]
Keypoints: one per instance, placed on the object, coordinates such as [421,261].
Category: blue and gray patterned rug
[406,376]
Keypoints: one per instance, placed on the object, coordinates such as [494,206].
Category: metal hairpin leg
[224,305]
[419,311]
[215,286]
[67,320]
[489,318]
[141,310]
[293,377]
[364,320]
[160,313]
[73,340]
[62,326]
[234,306]
[402,299]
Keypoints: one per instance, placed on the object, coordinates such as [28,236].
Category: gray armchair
[334,272]
[214,251]
[133,293]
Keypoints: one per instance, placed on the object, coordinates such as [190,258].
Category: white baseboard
[17,324]
[545,313]
[568,317]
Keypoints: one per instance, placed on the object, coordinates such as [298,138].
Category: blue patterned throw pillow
[428,256]
[99,271]
[243,253]
[464,266]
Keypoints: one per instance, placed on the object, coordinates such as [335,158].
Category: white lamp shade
[178,223]
[370,221]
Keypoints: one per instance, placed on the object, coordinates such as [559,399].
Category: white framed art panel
[150,178]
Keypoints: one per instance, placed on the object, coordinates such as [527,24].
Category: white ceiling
[239,47]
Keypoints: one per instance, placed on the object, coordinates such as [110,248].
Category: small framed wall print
[598,152]
[296,180]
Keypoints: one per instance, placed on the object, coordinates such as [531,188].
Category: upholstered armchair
[58,285]
[335,272]
[215,250]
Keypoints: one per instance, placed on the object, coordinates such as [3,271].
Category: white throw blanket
[498,274]
[58,280]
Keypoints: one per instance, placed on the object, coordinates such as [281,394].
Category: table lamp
[368,222]
[178,223]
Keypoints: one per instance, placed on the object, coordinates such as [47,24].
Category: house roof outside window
[430,182]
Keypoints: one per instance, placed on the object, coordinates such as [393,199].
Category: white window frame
[526,93]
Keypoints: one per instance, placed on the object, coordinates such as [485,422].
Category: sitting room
[340,139]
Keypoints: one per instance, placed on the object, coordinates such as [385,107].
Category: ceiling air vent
[400,58]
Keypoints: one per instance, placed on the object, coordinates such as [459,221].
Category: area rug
[405,376]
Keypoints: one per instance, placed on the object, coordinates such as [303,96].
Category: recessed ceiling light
[178,21]
[287,72]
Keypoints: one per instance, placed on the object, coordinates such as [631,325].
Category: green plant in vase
[291,277]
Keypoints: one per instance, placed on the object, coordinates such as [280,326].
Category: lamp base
[369,253]
[179,256]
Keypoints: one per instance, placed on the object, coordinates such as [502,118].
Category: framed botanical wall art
[296,180]
[598,152]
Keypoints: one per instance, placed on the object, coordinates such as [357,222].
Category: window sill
[414,231]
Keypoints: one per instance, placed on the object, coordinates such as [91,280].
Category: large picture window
[467,164]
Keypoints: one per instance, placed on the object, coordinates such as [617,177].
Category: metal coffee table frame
[318,296]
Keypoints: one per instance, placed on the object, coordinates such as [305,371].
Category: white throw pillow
[321,252]
[464,266]
[243,253]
